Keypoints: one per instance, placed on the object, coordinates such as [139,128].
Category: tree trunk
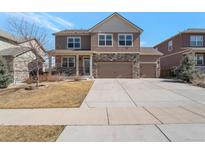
[37,73]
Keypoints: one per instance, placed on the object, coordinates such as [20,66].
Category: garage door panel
[114,70]
[148,70]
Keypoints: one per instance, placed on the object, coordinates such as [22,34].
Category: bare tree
[32,37]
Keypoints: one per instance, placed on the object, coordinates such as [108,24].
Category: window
[196,40]
[71,61]
[65,62]
[125,40]
[170,45]
[68,61]
[105,40]
[74,42]
[199,59]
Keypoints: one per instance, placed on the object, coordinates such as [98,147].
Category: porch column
[49,64]
[77,65]
[91,65]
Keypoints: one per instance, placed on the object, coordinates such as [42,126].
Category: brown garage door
[148,70]
[114,70]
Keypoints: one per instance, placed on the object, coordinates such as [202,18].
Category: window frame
[105,40]
[67,57]
[197,60]
[73,37]
[124,46]
[196,40]
[170,47]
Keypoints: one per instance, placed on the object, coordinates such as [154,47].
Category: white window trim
[73,42]
[105,40]
[170,48]
[202,60]
[196,45]
[124,46]
[68,60]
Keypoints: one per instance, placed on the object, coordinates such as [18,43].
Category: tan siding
[115,48]
[61,41]
[149,58]
[114,24]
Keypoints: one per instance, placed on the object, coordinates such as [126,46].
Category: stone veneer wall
[117,57]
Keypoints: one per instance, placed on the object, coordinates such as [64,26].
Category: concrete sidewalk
[73,116]
[100,116]
[137,133]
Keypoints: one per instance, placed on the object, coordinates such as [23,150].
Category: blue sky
[156,26]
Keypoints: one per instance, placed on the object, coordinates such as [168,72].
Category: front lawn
[30,133]
[63,94]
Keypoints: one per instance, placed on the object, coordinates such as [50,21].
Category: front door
[86,68]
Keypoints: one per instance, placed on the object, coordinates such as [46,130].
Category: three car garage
[124,70]
[147,65]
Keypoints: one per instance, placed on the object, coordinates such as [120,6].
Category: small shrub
[76,78]
[187,70]
[46,77]
[199,80]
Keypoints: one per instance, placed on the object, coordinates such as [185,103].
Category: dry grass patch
[30,133]
[55,95]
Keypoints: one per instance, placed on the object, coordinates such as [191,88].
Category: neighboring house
[190,41]
[110,49]
[19,57]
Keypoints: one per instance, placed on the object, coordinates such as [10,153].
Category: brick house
[190,41]
[18,56]
[110,49]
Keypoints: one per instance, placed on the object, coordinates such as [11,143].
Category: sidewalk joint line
[179,94]
[152,115]
[192,112]
[107,116]
[163,133]
[127,93]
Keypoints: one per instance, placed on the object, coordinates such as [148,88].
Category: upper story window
[196,40]
[125,40]
[170,45]
[74,42]
[105,40]
[199,59]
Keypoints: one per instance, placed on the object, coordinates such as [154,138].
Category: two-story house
[19,57]
[110,49]
[190,41]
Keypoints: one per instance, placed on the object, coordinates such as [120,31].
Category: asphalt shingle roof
[149,51]
[14,51]
[7,36]
[72,31]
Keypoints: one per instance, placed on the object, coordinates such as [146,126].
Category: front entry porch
[199,54]
[72,64]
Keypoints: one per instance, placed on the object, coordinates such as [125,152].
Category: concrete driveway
[143,110]
[143,92]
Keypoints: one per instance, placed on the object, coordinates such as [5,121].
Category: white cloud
[59,20]
[142,43]
[45,20]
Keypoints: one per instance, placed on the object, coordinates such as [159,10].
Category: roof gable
[115,23]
